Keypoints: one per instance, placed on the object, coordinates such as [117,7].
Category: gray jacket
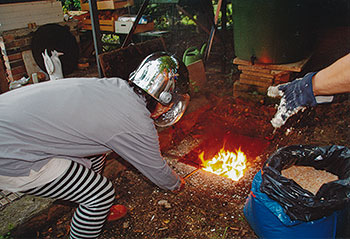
[77,117]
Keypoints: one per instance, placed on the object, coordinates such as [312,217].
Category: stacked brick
[258,77]
[14,42]
[3,82]
[18,21]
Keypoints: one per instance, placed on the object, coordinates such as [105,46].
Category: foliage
[8,235]
[165,16]
[70,5]
[110,42]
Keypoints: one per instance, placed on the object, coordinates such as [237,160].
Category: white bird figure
[53,64]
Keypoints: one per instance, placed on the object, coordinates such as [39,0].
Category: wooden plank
[29,10]
[30,18]
[295,67]
[18,6]
[102,22]
[38,20]
[258,74]
[108,5]
[256,78]
[254,82]
[253,68]
[276,72]
[29,62]
[105,28]
[105,25]
[283,77]
[240,87]
[18,15]
[108,25]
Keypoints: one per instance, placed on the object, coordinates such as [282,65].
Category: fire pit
[226,163]
[230,161]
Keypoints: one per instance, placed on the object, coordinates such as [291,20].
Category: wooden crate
[105,25]
[107,4]
[144,27]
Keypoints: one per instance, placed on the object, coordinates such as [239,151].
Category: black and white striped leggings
[93,192]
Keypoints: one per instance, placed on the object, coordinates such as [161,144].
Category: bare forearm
[333,79]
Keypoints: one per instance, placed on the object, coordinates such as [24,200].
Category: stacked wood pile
[258,77]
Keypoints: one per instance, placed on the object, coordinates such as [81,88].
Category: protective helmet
[165,78]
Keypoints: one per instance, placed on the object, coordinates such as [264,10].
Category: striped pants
[93,192]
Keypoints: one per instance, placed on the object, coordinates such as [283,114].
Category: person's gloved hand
[181,186]
[296,96]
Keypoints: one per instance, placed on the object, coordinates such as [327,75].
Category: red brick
[17,70]
[13,57]
[15,77]
[8,37]
[13,64]
[15,44]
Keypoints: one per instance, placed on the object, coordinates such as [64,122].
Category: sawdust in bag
[299,203]
[308,177]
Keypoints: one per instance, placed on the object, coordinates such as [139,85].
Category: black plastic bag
[299,203]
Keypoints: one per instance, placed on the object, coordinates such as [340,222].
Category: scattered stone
[164,203]
[125,225]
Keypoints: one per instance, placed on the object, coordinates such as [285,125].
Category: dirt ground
[210,206]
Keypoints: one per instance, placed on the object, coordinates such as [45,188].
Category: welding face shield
[165,78]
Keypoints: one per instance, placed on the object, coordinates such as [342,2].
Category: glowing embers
[225,163]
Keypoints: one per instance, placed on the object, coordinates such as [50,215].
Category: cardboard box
[124,27]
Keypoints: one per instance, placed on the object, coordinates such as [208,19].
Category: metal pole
[191,17]
[96,33]
[134,25]
[191,173]
[223,25]
[212,33]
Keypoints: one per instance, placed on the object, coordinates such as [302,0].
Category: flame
[225,163]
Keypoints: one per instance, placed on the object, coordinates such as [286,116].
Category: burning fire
[225,163]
